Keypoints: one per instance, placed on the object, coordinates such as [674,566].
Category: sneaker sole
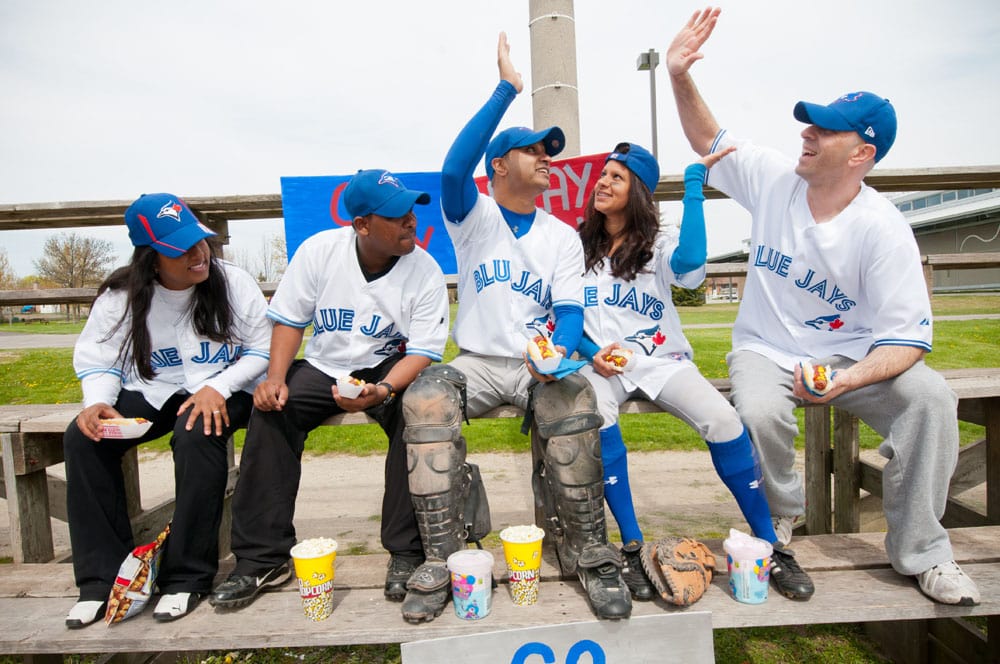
[395,597]
[167,617]
[416,620]
[800,597]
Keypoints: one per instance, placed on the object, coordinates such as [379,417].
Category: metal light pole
[648,61]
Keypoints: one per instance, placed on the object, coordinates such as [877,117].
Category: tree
[73,261]
[269,263]
[8,278]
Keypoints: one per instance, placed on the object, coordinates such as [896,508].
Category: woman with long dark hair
[179,338]
[631,264]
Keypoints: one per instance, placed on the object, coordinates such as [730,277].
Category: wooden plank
[970,470]
[817,468]
[846,473]
[130,474]
[957,640]
[993,460]
[29,454]
[979,259]
[993,638]
[903,641]
[31,625]
[54,421]
[27,507]
[853,551]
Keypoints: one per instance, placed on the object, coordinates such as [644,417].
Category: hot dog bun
[818,379]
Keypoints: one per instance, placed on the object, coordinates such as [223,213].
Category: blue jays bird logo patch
[172,210]
[829,323]
[648,339]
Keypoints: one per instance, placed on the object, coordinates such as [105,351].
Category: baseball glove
[679,568]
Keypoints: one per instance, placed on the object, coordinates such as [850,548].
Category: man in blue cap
[835,280]
[520,276]
[378,306]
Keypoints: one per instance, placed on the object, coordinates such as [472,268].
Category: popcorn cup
[522,547]
[748,560]
[471,583]
[314,570]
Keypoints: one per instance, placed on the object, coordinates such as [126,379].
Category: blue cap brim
[400,204]
[176,244]
[552,139]
[821,116]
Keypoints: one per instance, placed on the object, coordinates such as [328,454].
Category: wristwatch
[391,396]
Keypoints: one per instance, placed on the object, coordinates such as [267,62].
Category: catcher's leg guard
[435,450]
[569,483]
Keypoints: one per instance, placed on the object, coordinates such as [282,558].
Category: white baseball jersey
[181,359]
[641,316]
[815,290]
[508,286]
[357,324]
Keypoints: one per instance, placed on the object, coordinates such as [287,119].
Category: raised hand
[712,159]
[507,71]
[683,51]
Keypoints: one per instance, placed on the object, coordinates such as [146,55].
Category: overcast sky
[109,99]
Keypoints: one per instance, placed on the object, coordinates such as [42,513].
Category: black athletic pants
[271,466]
[99,528]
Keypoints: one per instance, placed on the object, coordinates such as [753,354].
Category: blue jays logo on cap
[377,191]
[165,223]
[389,178]
[170,209]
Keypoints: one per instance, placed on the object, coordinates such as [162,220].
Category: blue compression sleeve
[617,491]
[736,463]
[692,248]
[587,349]
[458,189]
[569,327]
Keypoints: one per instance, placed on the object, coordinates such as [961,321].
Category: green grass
[46,376]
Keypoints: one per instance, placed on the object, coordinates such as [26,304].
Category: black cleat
[238,591]
[428,592]
[788,578]
[609,596]
[401,567]
[633,574]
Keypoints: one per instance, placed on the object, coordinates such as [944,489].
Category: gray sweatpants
[915,412]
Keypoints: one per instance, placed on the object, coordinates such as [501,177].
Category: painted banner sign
[312,204]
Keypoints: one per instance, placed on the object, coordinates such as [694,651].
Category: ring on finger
[216,412]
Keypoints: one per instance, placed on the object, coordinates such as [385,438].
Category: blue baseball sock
[736,463]
[617,491]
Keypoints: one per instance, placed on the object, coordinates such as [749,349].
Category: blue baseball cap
[871,116]
[519,137]
[640,161]
[380,192]
[165,223]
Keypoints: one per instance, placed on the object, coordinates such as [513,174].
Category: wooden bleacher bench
[853,580]
[853,584]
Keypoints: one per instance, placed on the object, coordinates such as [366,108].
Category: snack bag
[136,579]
